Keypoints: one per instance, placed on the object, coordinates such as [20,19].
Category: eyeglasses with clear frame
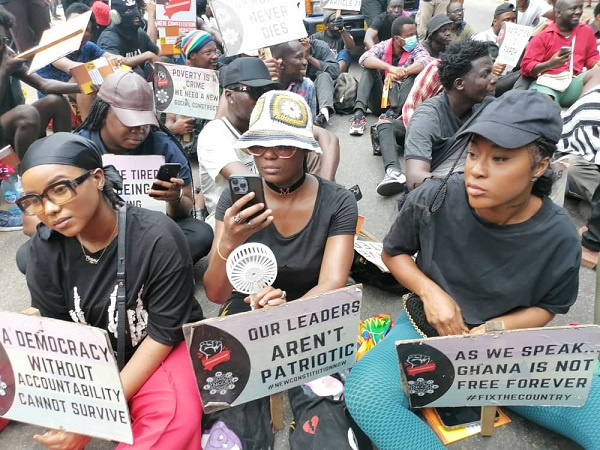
[282,151]
[59,193]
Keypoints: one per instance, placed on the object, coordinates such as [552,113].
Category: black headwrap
[69,150]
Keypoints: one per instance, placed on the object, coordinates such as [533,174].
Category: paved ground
[358,165]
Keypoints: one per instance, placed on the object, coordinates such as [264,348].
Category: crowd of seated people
[446,117]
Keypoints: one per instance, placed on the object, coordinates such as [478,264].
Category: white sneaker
[393,183]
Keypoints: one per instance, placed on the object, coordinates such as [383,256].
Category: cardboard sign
[61,375]
[176,13]
[532,367]
[514,39]
[94,72]
[247,25]
[346,5]
[138,173]
[57,42]
[247,356]
[167,38]
[371,251]
[185,90]
[9,156]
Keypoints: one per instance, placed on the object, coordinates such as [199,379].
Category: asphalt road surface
[357,166]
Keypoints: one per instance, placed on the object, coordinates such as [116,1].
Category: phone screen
[460,417]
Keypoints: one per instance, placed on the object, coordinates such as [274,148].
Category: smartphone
[165,173]
[240,185]
[564,50]
[460,417]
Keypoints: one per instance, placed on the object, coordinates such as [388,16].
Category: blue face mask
[410,43]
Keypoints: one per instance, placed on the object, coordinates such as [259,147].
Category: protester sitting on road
[520,265]
[23,123]
[128,39]
[431,145]
[245,80]
[88,51]
[371,9]
[428,9]
[322,68]
[461,30]
[505,12]
[396,61]
[72,276]
[551,52]
[381,28]
[337,38]
[122,121]
[533,12]
[438,35]
[595,24]
[200,51]
[205,21]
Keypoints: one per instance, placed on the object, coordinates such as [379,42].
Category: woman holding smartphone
[490,245]
[308,222]
[72,276]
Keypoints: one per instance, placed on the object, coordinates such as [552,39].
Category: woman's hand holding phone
[169,191]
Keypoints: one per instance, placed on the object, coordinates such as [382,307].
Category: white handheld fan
[251,267]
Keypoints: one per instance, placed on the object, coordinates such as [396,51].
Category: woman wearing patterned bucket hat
[308,222]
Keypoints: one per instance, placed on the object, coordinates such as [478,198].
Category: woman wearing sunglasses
[72,276]
[309,223]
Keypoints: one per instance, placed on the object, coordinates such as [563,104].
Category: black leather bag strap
[121,293]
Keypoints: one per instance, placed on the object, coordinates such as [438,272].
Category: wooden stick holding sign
[488,413]
[41,47]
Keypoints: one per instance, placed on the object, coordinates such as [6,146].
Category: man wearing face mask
[125,37]
[397,60]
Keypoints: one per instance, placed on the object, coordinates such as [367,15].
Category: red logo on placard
[175,6]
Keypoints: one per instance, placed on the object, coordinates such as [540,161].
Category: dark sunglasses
[59,193]
[254,92]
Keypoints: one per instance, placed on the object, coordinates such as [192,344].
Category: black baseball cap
[504,8]
[518,118]
[249,71]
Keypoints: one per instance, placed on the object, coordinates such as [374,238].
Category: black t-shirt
[299,256]
[489,269]
[383,25]
[158,277]
[335,42]
[114,41]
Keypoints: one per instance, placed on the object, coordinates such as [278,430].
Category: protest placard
[532,367]
[61,375]
[247,356]
[347,5]
[92,73]
[174,17]
[138,173]
[372,252]
[247,25]
[57,42]
[514,39]
[186,90]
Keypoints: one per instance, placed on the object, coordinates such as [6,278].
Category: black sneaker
[393,182]
[375,140]
[320,120]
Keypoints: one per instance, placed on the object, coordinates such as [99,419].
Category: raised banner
[532,367]
[247,356]
[186,90]
[346,5]
[247,25]
[61,375]
[176,13]
[514,39]
[138,173]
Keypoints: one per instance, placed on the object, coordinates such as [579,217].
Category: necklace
[289,190]
[94,261]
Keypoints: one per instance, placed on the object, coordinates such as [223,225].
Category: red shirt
[543,46]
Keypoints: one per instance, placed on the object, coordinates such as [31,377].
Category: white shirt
[535,10]
[215,151]
[486,36]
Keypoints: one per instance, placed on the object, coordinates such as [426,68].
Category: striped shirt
[581,128]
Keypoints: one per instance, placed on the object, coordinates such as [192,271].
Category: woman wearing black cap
[72,275]
[490,245]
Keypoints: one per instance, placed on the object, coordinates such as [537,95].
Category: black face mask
[128,18]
